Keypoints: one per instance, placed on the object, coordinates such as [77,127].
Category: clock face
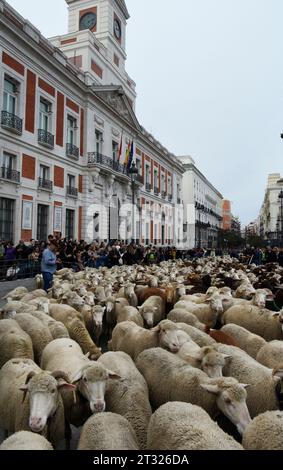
[117,29]
[88,21]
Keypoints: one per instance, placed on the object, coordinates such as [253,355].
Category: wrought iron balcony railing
[11,122]
[71,191]
[11,175]
[170,197]
[156,191]
[45,138]
[107,162]
[148,186]
[163,194]
[139,178]
[72,151]
[45,184]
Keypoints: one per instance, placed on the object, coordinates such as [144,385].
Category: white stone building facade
[67,105]
[202,208]
[271,212]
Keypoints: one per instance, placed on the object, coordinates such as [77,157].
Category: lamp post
[280,197]
[109,217]
[133,171]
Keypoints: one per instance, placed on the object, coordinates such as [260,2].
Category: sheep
[152,311]
[90,377]
[183,426]
[265,432]
[73,300]
[114,306]
[40,409]
[262,385]
[180,315]
[261,322]
[26,440]
[33,295]
[39,281]
[271,354]
[73,321]
[207,358]
[128,292]
[169,378]
[16,294]
[130,314]
[56,328]
[38,332]
[107,431]
[12,307]
[132,339]
[93,319]
[128,397]
[207,312]
[249,342]
[14,342]
[199,337]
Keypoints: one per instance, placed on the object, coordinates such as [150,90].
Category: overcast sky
[209,77]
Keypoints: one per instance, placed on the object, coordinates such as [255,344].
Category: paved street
[5,287]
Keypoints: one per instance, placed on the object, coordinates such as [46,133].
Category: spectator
[48,264]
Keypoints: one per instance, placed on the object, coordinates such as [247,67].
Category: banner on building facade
[57,219]
[27,215]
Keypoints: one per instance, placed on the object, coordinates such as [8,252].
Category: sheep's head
[261,296]
[97,315]
[168,335]
[212,362]
[43,389]
[91,381]
[231,399]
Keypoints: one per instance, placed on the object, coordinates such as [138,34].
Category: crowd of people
[27,257]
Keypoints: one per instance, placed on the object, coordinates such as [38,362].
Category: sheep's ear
[227,356]
[87,355]
[210,387]
[275,314]
[113,375]
[78,375]
[156,328]
[103,309]
[138,307]
[62,383]
[245,385]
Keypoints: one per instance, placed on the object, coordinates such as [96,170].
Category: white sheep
[246,340]
[14,342]
[262,384]
[129,396]
[198,336]
[16,294]
[132,339]
[129,313]
[56,328]
[32,400]
[107,431]
[169,378]
[152,310]
[261,322]
[128,291]
[26,440]
[271,354]
[265,432]
[183,426]
[180,315]
[207,312]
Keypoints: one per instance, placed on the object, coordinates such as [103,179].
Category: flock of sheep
[144,357]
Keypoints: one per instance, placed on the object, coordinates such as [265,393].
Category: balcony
[106,162]
[45,184]
[10,175]
[148,187]
[71,191]
[45,138]
[163,194]
[139,178]
[179,201]
[156,191]
[11,122]
[170,197]
[72,151]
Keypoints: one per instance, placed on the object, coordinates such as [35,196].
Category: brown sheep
[221,337]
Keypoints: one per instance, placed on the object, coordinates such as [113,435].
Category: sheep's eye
[228,401]
[85,379]
[53,390]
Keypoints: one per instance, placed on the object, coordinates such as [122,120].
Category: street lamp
[133,171]
[109,217]
[280,197]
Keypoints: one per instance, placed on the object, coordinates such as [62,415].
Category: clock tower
[96,42]
[107,19]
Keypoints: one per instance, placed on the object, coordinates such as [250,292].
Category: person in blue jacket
[49,264]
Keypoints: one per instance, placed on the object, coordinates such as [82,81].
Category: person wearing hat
[49,264]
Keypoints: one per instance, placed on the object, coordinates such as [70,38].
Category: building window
[71,181]
[11,90]
[72,128]
[70,223]
[98,141]
[163,183]
[45,111]
[7,208]
[169,186]
[9,161]
[115,150]
[42,222]
[155,179]
[138,165]
[44,172]
[147,175]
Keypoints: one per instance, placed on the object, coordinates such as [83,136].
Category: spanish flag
[127,154]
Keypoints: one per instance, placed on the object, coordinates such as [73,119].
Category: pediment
[115,97]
